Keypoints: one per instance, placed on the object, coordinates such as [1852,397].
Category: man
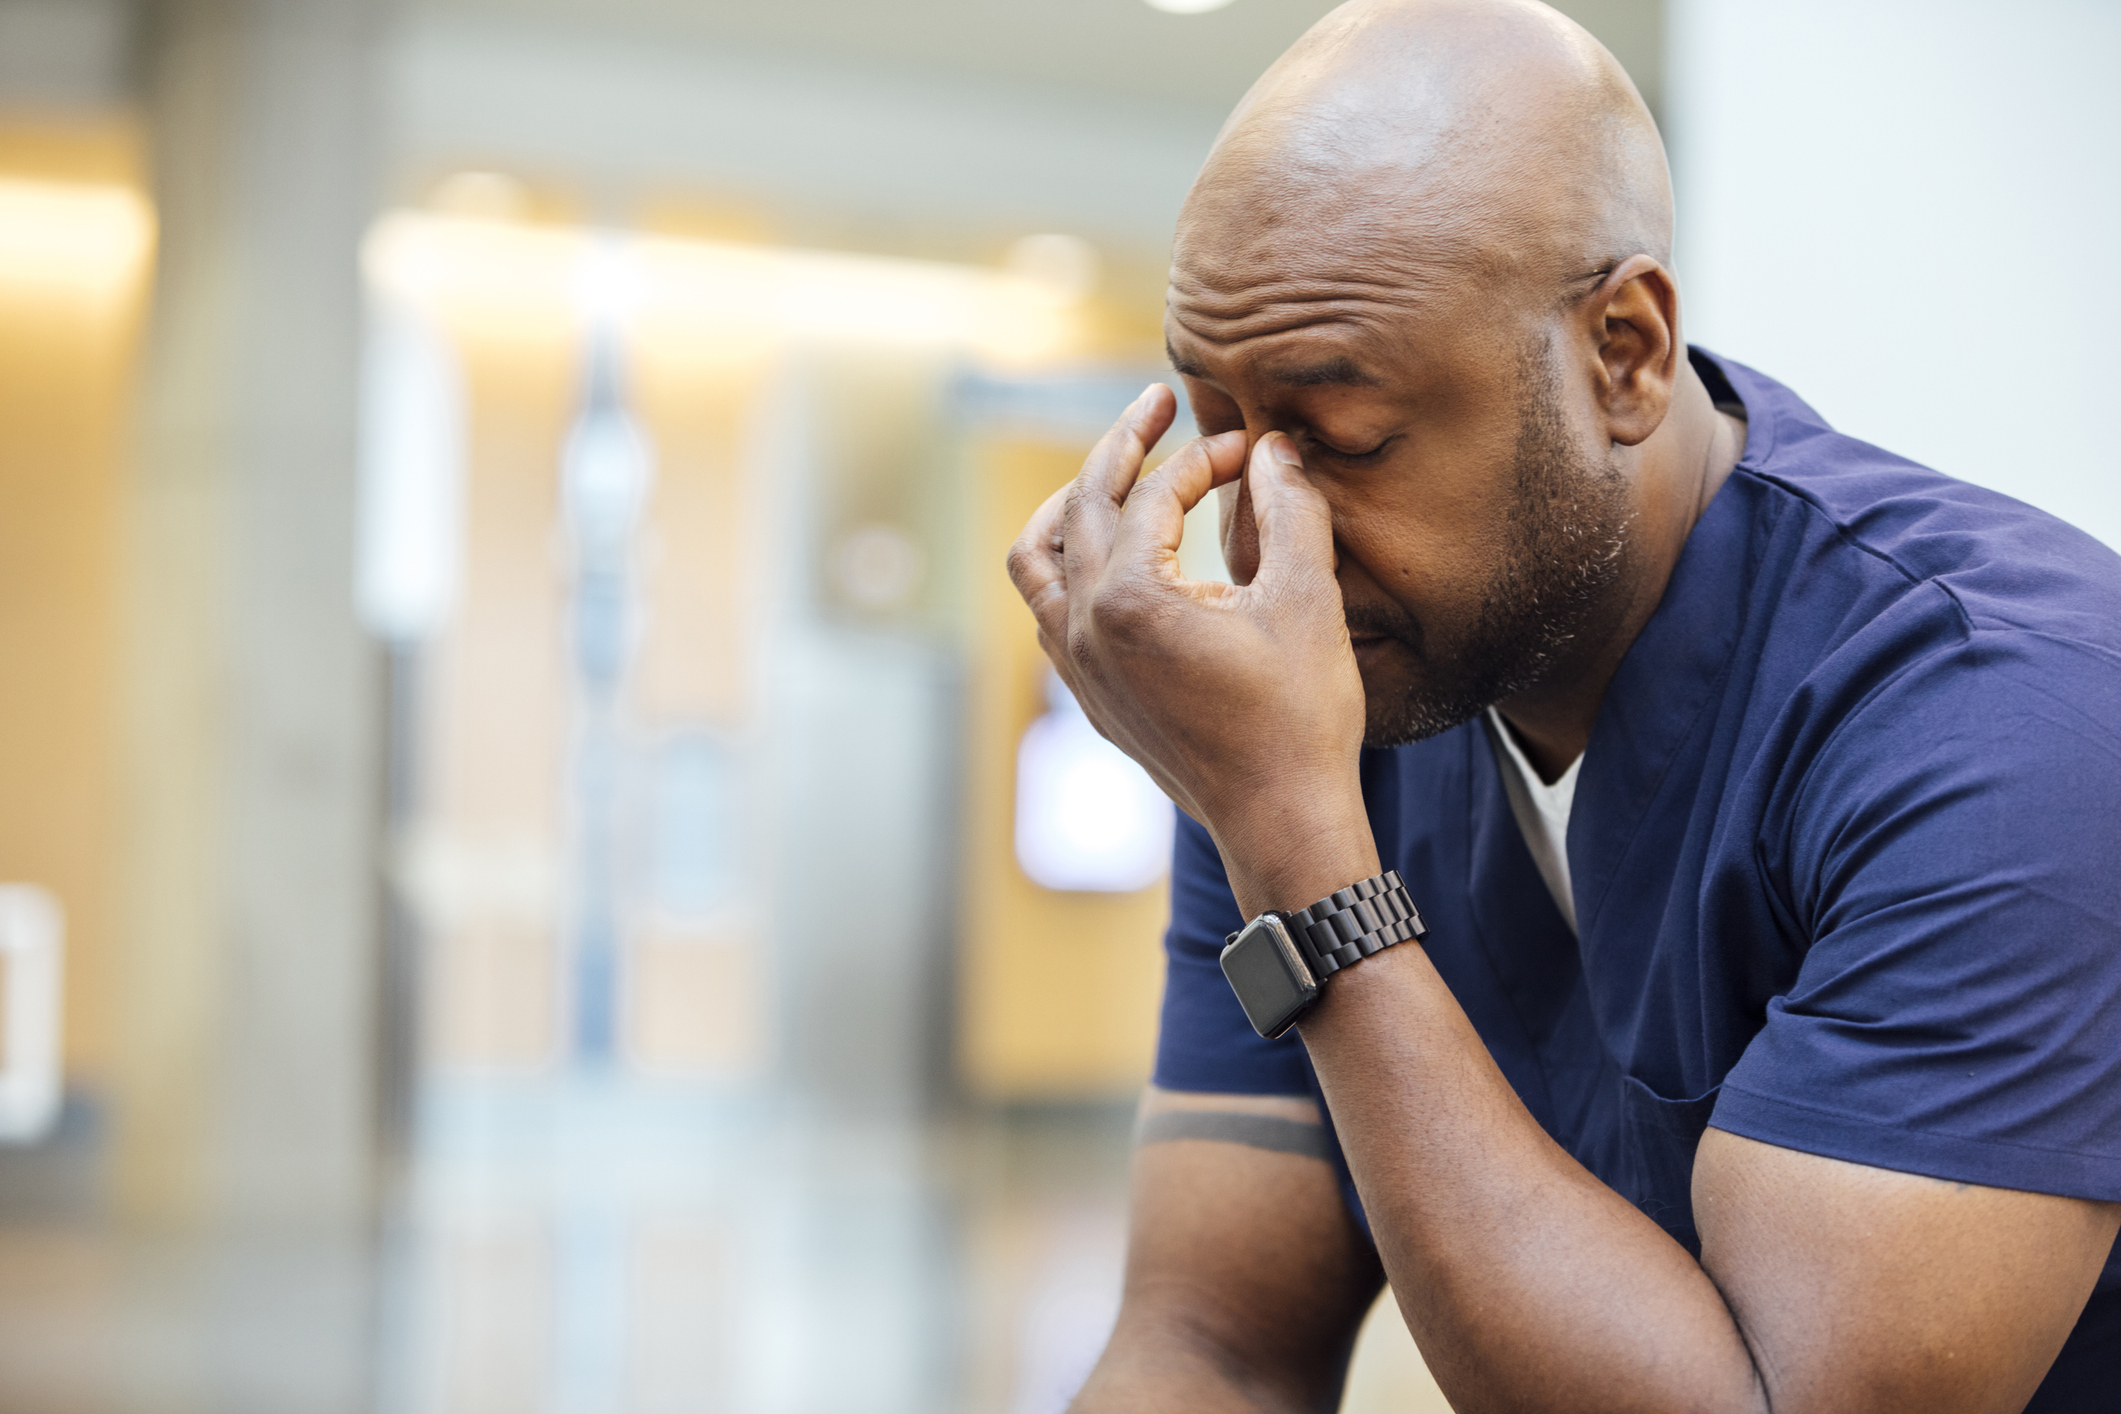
[1758,792]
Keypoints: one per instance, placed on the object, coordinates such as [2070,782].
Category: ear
[1632,319]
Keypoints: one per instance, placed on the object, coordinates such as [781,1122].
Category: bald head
[1437,139]
[1430,247]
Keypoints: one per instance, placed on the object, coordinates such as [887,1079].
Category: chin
[1402,708]
[1400,711]
[1415,722]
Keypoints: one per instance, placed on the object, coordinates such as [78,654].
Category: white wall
[1910,211]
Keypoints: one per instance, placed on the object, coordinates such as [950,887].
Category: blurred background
[540,866]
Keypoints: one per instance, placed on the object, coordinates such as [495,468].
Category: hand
[1242,702]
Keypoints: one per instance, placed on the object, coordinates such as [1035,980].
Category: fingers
[1294,524]
[1154,516]
[1036,568]
[1092,510]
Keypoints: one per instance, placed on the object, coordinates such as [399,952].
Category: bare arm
[1246,1278]
[1823,1286]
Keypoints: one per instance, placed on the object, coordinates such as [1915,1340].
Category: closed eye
[1345,458]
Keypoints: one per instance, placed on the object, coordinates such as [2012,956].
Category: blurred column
[253,741]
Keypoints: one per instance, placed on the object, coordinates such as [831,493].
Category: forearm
[1527,1283]
[1247,1278]
[1154,1366]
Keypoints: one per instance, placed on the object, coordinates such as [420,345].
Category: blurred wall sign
[1088,819]
[410,552]
[30,941]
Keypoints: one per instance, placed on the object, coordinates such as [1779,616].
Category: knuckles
[1124,614]
[1080,494]
[1118,620]
[1021,561]
[1082,651]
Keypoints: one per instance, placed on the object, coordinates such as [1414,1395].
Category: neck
[1679,469]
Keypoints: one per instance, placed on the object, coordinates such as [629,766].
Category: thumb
[1295,526]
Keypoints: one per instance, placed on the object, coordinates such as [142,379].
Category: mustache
[1385,621]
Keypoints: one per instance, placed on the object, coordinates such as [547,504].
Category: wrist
[1290,860]
[1280,962]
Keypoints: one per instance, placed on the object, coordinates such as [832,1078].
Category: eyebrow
[1341,371]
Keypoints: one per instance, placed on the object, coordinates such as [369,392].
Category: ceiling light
[68,239]
[719,300]
[1186,7]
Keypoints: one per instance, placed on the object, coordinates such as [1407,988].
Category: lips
[1374,629]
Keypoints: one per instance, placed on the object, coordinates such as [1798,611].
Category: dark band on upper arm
[1282,1136]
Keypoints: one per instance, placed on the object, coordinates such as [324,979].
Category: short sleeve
[1954,854]
[1205,1043]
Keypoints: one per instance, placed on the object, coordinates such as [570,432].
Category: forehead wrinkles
[1251,261]
[1238,312]
[1271,286]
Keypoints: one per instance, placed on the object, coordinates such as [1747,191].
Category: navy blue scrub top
[1844,851]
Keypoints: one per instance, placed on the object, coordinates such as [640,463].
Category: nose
[1240,531]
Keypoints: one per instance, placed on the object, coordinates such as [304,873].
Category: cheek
[1435,555]
[1441,513]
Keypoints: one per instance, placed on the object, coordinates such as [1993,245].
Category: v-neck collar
[1671,672]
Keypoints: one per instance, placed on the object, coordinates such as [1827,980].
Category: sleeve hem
[1218,1076]
[1989,1162]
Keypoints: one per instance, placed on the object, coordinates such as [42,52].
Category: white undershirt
[1542,812]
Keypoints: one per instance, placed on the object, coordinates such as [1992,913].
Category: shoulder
[1919,654]
[1995,562]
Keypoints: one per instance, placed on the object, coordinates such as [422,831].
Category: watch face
[1270,979]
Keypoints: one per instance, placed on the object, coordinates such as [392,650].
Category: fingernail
[1283,450]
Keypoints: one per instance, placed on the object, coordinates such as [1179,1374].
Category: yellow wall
[69,320]
[488,862]
[1059,990]
[493,737]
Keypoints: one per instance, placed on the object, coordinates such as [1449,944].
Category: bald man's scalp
[1415,141]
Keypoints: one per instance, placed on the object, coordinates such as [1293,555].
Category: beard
[1565,543]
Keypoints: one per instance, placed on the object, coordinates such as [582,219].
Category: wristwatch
[1278,962]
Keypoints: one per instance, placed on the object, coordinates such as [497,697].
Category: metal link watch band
[1355,922]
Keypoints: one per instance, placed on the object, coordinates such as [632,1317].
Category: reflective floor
[616,1248]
